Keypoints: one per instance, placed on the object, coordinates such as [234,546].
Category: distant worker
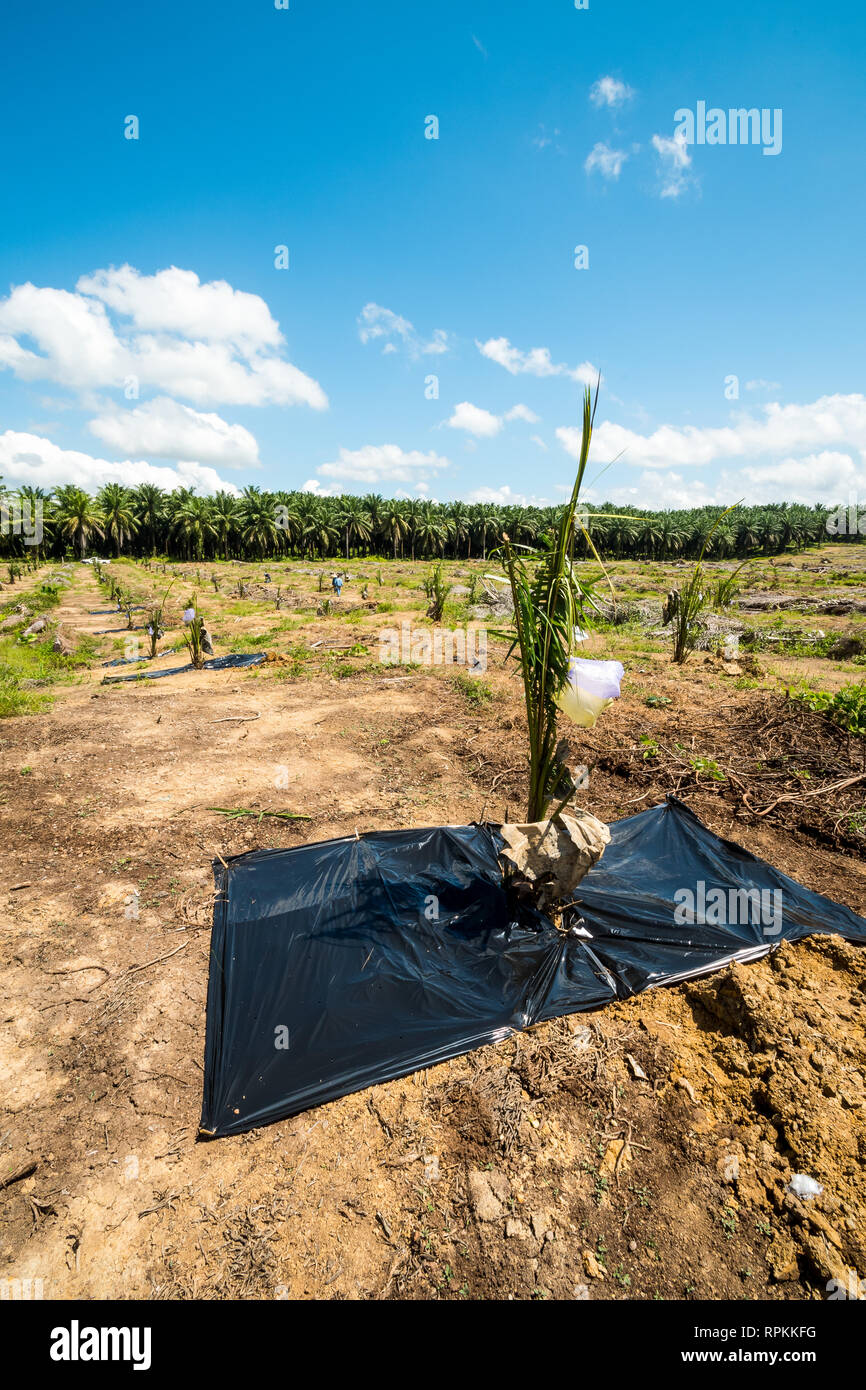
[338,584]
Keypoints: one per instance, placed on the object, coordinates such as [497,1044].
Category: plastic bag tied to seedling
[591,686]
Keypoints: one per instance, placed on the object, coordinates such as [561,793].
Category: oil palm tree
[394,524]
[78,516]
[193,525]
[224,519]
[148,508]
[117,506]
[257,522]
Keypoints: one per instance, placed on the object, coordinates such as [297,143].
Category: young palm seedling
[685,606]
[126,606]
[550,617]
[196,637]
[727,588]
[153,626]
[437,590]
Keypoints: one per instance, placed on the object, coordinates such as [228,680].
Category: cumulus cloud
[828,478]
[376,323]
[674,163]
[378,463]
[504,497]
[163,428]
[535,362]
[779,429]
[483,424]
[29,458]
[204,342]
[475,420]
[77,344]
[609,91]
[658,492]
[175,301]
[607,161]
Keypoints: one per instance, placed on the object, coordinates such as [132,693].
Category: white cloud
[230,353]
[827,477]
[320,490]
[609,91]
[175,301]
[780,429]
[77,343]
[163,428]
[28,458]
[475,420]
[536,362]
[504,497]
[375,463]
[658,492]
[536,439]
[607,161]
[207,373]
[675,161]
[483,423]
[376,322]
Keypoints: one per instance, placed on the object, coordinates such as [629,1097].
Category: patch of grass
[455,613]
[25,668]
[241,608]
[249,641]
[475,691]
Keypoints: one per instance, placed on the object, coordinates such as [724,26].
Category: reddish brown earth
[639,1152]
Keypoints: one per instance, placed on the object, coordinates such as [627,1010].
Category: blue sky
[145,331]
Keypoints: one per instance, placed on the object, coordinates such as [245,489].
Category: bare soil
[639,1152]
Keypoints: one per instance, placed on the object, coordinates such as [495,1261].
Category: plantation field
[534,1169]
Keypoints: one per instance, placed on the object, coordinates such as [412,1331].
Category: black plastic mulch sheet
[339,965]
[219,663]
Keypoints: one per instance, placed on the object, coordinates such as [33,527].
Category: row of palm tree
[146,521]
